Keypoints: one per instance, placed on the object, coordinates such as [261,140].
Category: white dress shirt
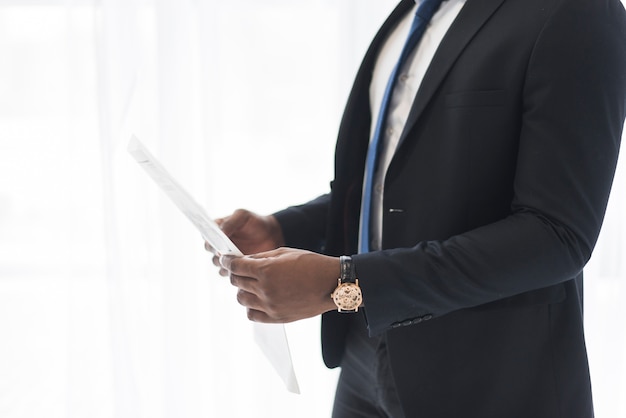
[405,90]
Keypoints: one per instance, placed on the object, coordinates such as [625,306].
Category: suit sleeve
[574,110]
[304,226]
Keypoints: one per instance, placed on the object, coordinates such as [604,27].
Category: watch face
[348,296]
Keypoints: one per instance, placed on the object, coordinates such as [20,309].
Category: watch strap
[348,274]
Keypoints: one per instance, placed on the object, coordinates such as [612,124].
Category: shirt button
[378,188]
[390,131]
[404,78]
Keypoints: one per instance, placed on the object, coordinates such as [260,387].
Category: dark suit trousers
[366,388]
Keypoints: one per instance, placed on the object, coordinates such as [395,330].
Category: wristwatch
[347,296]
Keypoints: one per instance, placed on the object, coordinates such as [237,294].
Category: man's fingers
[226,261]
[233,222]
[209,247]
[249,300]
[240,266]
[216,262]
[256,311]
[256,315]
[246,284]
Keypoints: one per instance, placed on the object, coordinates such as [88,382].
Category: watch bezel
[348,296]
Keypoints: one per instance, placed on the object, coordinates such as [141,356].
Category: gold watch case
[347,296]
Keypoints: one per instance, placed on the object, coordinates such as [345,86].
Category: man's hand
[250,232]
[284,285]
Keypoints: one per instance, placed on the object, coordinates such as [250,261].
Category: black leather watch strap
[348,274]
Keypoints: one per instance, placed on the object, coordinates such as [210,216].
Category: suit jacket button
[417,320]
[396,325]
[407,322]
[427,317]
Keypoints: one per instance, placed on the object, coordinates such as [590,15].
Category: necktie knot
[427,8]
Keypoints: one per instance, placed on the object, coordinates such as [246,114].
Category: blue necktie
[424,13]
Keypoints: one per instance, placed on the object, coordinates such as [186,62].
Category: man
[489,189]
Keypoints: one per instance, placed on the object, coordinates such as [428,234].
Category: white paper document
[271,338]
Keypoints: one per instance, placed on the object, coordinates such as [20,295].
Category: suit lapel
[354,130]
[470,19]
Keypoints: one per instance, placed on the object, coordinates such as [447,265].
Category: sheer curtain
[109,306]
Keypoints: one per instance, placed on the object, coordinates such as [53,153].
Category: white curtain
[109,306]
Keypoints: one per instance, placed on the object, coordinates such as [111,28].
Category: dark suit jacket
[493,203]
